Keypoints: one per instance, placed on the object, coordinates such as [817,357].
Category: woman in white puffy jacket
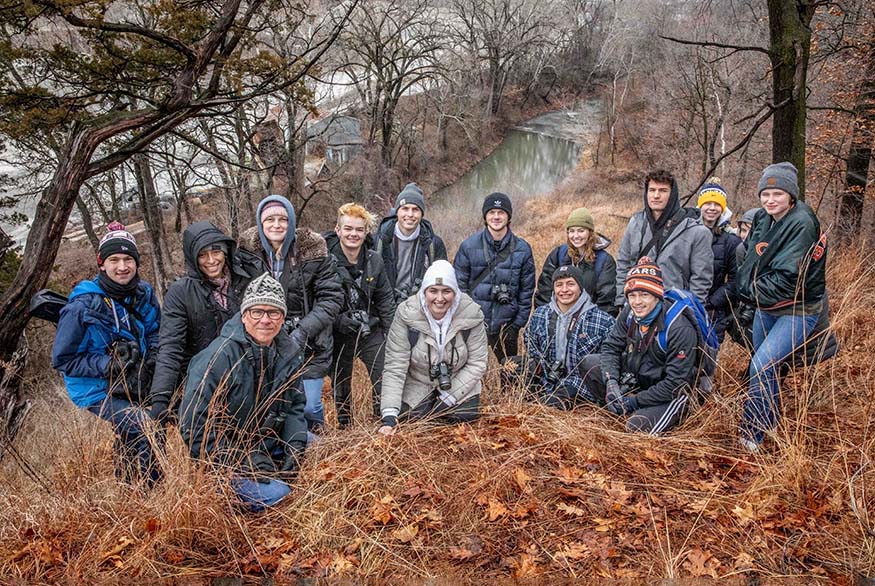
[436,354]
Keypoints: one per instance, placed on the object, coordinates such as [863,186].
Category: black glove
[612,392]
[624,405]
[347,325]
[127,352]
[160,412]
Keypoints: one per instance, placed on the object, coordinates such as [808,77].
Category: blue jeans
[774,338]
[259,495]
[314,413]
[134,457]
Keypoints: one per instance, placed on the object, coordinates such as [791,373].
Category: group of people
[253,328]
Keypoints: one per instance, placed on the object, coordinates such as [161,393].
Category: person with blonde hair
[368,307]
[585,249]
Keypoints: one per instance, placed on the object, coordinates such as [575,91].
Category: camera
[363,319]
[627,382]
[554,372]
[442,373]
[402,293]
[501,294]
[127,351]
[292,322]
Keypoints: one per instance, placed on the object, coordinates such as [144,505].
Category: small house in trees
[338,137]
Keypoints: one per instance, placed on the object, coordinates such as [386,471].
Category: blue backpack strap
[563,252]
[600,258]
[682,300]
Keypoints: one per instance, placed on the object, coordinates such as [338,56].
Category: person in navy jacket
[105,347]
[496,268]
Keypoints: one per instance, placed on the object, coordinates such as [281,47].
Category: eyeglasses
[273,314]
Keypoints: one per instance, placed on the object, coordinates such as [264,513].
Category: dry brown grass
[524,493]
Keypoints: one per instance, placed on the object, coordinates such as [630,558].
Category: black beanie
[567,271]
[117,240]
[498,201]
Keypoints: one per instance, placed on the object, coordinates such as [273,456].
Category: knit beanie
[712,192]
[580,218]
[411,194]
[117,241]
[264,290]
[645,276]
[440,272]
[273,208]
[780,176]
[569,271]
[497,201]
[748,216]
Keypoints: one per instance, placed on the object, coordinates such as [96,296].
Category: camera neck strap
[497,259]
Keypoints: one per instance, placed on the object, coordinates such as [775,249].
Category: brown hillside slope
[525,493]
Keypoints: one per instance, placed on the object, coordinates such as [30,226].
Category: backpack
[47,305]
[599,258]
[684,302]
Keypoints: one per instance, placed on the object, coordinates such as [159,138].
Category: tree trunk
[854,196]
[87,224]
[789,48]
[153,221]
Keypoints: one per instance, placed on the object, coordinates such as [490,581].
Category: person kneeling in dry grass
[243,408]
[436,354]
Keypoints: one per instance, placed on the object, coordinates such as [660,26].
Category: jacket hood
[290,235]
[92,287]
[601,242]
[309,245]
[468,315]
[671,208]
[197,237]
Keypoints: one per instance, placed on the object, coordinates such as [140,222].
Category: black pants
[371,350]
[653,419]
[504,342]
[434,408]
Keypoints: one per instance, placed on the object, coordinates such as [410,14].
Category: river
[531,161]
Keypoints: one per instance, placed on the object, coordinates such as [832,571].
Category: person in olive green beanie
[586,249]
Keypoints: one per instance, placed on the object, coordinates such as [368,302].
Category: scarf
[220,288]
[650,317]
[116,291]
[440,328]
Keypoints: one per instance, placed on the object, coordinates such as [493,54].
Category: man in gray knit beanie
[264,290]
[780,176]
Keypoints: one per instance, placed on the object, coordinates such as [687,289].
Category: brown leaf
[496,509]
[573,551]
[152,525]
[745,514]
[381,511]
[525,566]
[603,525]
[522,479]
[521,511]
[405,534]
[569,474]
[461,554]
[701,563]
[123,544]
[472,546]
[342,563]
[571,510]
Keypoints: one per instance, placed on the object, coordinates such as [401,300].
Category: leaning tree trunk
[789,49]
[862,137]
[87,223]
[154,223]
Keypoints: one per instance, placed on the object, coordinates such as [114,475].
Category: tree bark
[789,50]
[859,157]
[87,223]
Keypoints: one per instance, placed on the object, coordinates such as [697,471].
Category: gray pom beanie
[780,176]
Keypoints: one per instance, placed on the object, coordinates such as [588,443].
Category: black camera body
[627,382]
[555,372]
[292,322]
[442,373]
[127,351]
[501,293]
[363,319]
[402,293]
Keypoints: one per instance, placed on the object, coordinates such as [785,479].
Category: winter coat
[685,257]
[313,293]
[429,249]
[191,317]
[373,290]
[406,375]
[722,296]
[517,271]
[785,267]
[240,407]
[601,285]
[90,323]
[587,333]
[661,375]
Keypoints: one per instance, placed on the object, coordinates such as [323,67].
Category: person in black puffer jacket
[503,290]
[716,216]
[586,249]
[197,305]
[299,260]
[369,306]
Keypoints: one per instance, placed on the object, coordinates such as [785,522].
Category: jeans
[258,495]
[774,338]
[314,413]
[133,456]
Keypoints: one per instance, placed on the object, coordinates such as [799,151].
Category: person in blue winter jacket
[105,347]
[497,269]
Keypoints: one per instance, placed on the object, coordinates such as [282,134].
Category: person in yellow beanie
[585,249]
[716,216]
